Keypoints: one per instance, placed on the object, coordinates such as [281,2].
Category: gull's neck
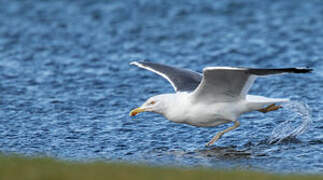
[174,106]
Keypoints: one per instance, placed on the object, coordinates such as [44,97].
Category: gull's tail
[259,102]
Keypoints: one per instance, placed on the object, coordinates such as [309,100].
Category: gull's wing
[223,84]
[181,79]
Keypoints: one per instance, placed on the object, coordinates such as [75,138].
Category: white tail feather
[258,102]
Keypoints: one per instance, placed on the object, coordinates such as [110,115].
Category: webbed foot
[269,108]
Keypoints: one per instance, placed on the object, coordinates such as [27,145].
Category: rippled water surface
[67,87]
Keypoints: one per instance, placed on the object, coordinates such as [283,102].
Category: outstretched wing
[181,79]
[223,84]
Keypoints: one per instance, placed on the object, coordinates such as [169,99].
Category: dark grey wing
[181,79]
[223,84]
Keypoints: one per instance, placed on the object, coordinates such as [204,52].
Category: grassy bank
[16,168]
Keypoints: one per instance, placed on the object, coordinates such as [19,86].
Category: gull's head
[156,104]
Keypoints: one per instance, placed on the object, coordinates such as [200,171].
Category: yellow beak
[136,111]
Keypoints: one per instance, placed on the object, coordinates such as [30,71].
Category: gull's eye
[152,102]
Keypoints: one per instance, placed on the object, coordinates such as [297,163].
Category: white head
[157,104]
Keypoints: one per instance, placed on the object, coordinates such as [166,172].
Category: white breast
[204,115]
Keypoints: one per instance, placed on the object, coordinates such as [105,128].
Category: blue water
[67,87]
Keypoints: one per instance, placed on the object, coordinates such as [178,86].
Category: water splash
[298,120]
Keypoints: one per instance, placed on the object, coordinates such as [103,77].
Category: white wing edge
[152,70]
[247,86]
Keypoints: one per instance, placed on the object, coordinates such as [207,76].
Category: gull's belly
[207,121]
[212,115]
[205,114]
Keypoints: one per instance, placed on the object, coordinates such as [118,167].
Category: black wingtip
[302,70]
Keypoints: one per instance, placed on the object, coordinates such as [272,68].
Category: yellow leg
[218,136]
[269,108]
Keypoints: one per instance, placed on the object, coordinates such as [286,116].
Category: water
[290,128]
[67,87]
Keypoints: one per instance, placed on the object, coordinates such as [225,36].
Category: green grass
[16,168]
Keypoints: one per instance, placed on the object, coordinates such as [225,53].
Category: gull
[218,96]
